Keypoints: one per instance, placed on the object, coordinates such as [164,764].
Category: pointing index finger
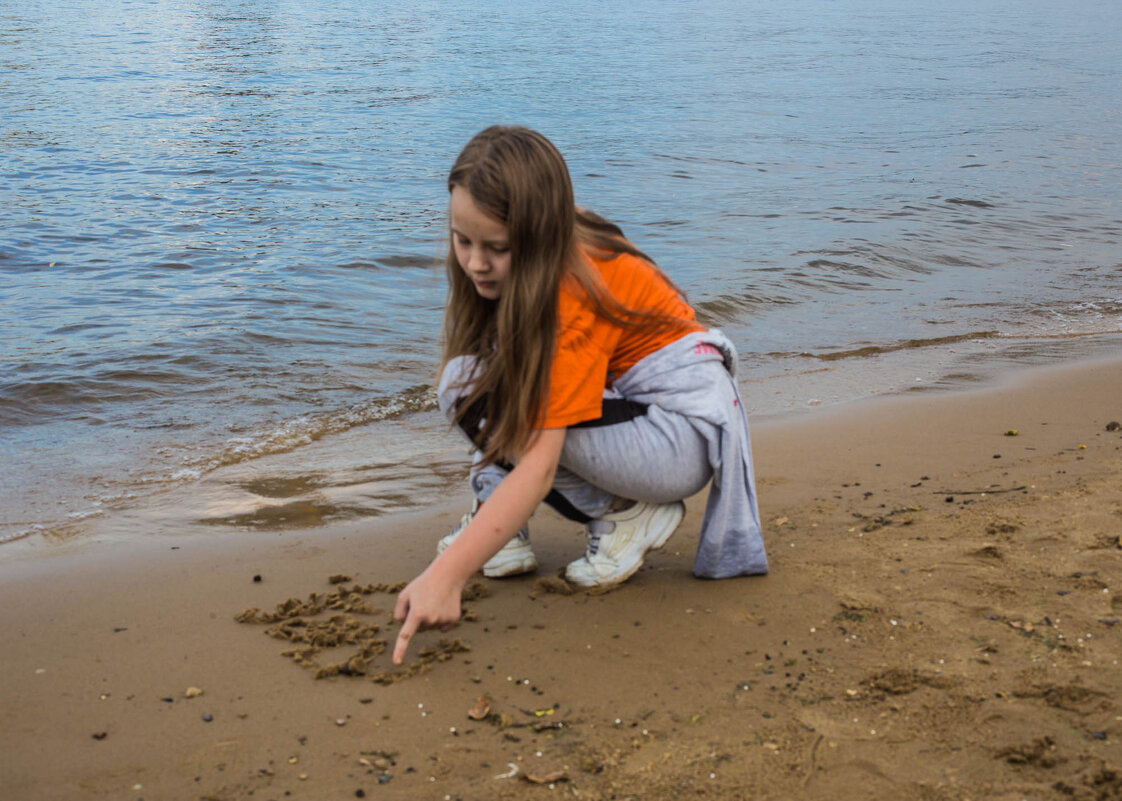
[408,628]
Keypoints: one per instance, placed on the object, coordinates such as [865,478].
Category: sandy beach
[941,621]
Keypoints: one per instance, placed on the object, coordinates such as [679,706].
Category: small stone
[360,793]
[192,692]
[340,721]
[208,717]
[385,778]
[1099,735]
[303,777]
[101,735]
[257,578]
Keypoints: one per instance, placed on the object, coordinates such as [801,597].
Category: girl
[582,377]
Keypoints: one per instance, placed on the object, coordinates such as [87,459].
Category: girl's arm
[433,598]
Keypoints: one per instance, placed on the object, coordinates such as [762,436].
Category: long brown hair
[516,176]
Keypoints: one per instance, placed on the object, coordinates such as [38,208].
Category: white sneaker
[614,555]
[515,558]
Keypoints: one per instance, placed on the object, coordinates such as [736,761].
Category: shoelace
[596,530]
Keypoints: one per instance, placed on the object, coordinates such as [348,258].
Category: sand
[941,622]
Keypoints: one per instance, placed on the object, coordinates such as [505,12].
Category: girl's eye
[499,249]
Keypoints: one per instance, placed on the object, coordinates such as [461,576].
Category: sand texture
[941,621]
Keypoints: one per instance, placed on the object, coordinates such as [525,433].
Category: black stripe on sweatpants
[612,412]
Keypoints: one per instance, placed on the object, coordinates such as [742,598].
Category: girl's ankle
[621,505]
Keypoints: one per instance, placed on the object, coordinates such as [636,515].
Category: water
[221,226]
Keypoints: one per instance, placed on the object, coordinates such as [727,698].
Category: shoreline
[340,474]
[936,624]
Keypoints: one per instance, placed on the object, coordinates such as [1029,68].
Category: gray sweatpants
[636,452]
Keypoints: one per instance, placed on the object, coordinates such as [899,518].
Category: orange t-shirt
[591,351]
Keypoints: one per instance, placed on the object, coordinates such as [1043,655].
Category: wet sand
[941,622]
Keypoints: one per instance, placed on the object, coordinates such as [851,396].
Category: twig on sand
[978,492]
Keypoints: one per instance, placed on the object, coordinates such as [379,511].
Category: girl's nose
[477,261]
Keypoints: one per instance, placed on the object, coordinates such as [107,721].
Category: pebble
[192,692]
[385,778]
[208,717]
[340,721]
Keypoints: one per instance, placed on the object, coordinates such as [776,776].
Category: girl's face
[481,245]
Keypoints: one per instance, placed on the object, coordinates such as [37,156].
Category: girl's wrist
[447,570]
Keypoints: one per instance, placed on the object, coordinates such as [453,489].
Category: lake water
[222,223]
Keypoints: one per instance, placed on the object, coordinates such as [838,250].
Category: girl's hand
[425,603]
[432,600]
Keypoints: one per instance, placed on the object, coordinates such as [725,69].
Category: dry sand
[941,622]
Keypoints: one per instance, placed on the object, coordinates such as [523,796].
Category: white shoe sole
[512,560]
[663,524]
[505,565]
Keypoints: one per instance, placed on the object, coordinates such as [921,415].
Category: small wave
[729,308]
[307,429]
[402,261]
[59,529]
[170,265]
[877,350]
[407,261]
[979,204]
[42,401]
[846,267]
